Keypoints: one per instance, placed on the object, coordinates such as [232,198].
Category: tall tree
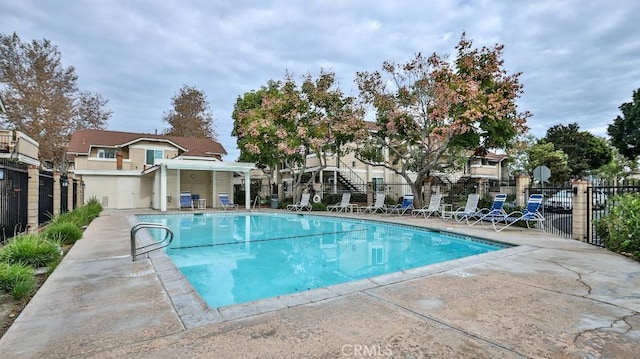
[191,115]
[544,153]
[283,123]
[625,130]
[585,151]
[431,113]
[42,98]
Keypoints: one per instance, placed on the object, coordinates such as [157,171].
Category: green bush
[318,206]
[16,279]
[31,250]
[620,228]
[63,232]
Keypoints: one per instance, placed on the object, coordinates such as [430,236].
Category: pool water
[233,258]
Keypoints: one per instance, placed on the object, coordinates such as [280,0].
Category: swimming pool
[232,258]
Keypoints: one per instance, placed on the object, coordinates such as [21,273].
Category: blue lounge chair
[303,204]
[431,208]
[401,208]
[225,202]
[531,214]
[496,211]
[185,200]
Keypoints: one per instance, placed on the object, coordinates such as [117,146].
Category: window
[107,153]
[152,156]
[378,184]
[377,255]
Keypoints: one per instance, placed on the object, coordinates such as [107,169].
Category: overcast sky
[579,59]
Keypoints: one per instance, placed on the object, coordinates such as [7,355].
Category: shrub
[31,250]
[318,206]
[620,228]
[16,279]
[63,232]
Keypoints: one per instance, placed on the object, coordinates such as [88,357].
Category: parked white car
[563,200]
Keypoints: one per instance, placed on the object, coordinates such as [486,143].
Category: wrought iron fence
[557,209]
[45,204]
[604,199]
[13,202]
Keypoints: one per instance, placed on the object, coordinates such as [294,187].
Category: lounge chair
[470,210]
[344,205]
[185,200]
[496,212]
[225,202]
[303,204]
[378,205]
[401,208]
[530,214]
[431,208]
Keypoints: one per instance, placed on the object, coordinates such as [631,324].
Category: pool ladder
[136,251]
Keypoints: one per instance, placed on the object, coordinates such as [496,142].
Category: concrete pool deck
[547,298]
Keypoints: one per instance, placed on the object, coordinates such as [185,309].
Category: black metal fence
[14,183]
[604,199]
[557,209]
[45,204]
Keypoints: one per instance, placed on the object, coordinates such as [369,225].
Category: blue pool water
[241,257]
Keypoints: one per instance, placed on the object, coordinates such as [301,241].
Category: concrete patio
[548,297]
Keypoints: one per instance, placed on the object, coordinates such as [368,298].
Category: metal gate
[603,200]
[13,201]
[45,205]
[557,209]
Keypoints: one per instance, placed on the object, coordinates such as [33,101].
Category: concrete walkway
[547,298]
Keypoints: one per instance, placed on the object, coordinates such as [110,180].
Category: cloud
[579,60]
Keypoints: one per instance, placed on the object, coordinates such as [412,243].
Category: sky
[579,59]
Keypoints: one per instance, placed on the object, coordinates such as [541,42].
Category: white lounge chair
[462,213]
[344,205]
[431,208]
[378,205]
[303,204]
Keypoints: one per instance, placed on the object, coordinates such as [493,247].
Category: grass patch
[16,279]
[31,250]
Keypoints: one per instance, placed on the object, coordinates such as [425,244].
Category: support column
[80,196]
[57,197]
[33,195]
[69,192]
[163,189]
[247,189]
[522,183]
[579,210]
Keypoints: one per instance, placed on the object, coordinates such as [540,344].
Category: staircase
[348,178]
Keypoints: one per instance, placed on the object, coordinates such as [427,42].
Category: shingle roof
[82,140]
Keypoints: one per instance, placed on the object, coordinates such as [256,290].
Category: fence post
[522,183]
[33,195]
[69,192]
[579,209]
[57,197]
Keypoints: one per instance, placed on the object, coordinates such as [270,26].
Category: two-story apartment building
[125,170]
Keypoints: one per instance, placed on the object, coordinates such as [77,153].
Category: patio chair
[303,204]
[225,202]
[496,212]
[401,208]
[470,210]
[378,205]
[185,200]
[531,214]
[431,208]
[344,205]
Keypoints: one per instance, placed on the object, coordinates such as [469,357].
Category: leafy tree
[190,116]
[625,130]
[42,98]
[283,123]
[586,152]
[431,114]
[619,168]
[544,153]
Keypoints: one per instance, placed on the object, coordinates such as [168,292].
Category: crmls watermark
[359,351]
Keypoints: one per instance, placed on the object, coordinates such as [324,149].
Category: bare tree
[191,116]
[42,98]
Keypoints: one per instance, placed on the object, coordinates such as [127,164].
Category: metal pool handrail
[168,238]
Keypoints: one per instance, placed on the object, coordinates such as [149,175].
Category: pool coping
[194,312]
